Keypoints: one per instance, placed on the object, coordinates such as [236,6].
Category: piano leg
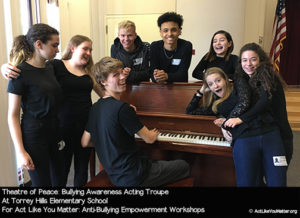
[212,170]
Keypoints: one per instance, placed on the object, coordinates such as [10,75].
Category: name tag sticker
[279,161]
[176,62]
[137,61]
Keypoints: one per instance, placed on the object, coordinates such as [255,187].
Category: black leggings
[40,141]
[72,138]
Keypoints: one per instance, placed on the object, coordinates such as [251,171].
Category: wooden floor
[292,95]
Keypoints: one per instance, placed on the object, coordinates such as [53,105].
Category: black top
[138,60]
[239,100]
[76,94]
[39,90]
[194,108]
[175,63]
[227,66]
[112,125]
[257,120]
[235,105]
[278,105]
[279,112]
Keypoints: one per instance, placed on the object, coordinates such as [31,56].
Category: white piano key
[194,139]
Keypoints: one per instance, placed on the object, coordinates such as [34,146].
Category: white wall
[254,22]
[268,25]
[75,19]
[8,167]
[259,18]
[139,6]
[202,18]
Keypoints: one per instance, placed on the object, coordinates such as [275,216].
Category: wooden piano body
[163,107]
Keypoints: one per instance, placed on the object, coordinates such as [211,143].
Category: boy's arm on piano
[149,136]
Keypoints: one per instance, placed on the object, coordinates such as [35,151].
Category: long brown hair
[67,55]
[264,73]
[23,45]
[211,98]
[211,55]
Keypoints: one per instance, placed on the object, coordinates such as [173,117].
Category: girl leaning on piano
[257,144]
[217,89]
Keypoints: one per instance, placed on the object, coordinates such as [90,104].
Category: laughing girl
[219,55]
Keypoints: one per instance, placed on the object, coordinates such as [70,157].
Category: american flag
[279,33]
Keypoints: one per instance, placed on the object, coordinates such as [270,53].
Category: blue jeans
[257,154]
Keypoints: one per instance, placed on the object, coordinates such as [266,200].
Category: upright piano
[193,138]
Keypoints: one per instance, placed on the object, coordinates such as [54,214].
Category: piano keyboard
[194,139]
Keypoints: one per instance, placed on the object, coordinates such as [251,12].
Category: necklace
[169,57]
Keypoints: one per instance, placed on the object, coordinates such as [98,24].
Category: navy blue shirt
[175,63]
[112,125]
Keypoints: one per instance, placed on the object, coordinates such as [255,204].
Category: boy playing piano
[111,128]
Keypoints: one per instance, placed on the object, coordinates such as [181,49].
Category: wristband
[199,94]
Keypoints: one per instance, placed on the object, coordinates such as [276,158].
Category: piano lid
[171,98]
[163,107]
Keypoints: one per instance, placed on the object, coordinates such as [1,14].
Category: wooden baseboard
[292,95]
[295,126]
